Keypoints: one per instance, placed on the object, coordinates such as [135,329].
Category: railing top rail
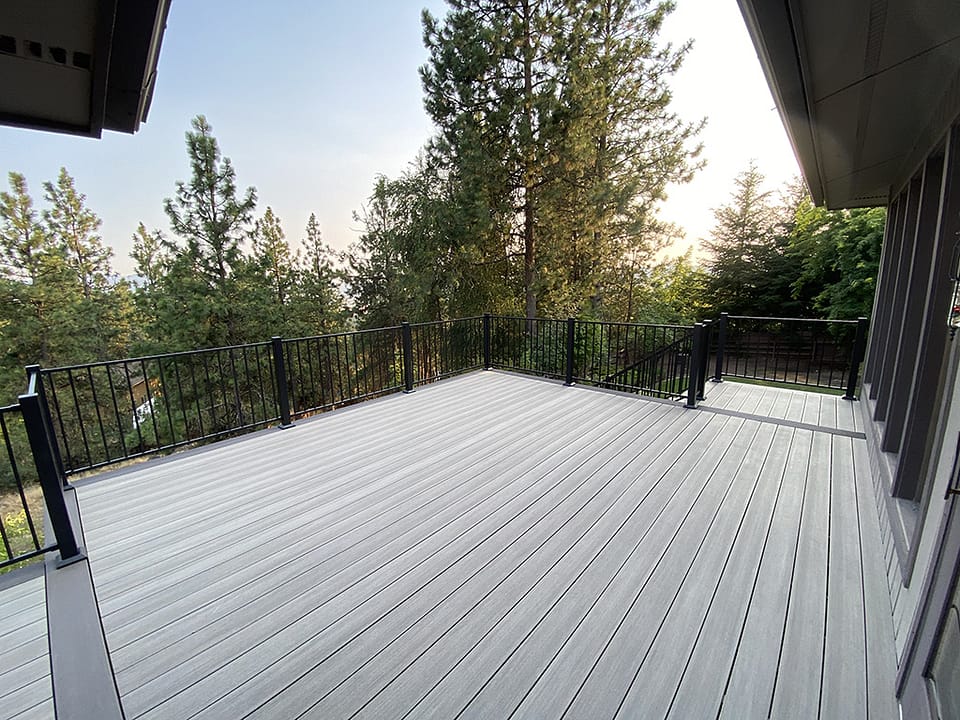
[782,319]
[449,320]
[341,334]
[9,408]
[596,322]
[160,356]
[33,372]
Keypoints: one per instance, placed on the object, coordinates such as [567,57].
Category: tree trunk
[529,247]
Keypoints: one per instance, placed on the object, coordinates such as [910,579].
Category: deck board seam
[797,425]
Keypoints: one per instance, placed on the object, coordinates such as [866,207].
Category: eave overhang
[79,66]
[865,88]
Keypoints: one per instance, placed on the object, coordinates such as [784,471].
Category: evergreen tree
[554,119]
[318,301]
[268,279]
[374,266]
[22,238]
[74,227]
[491,87]
[620,147]
[837,257]
[151,254]
[212,219]
[744,240]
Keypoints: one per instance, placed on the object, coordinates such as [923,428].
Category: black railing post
[695,355]
[856,358]
[51,481]
[721,346]
[487,364]
[406,337]
[571,336]
[703,360]
[34,370]
[280,373]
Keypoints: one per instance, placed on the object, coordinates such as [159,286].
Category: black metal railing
[537,347]
[645,359]
[650,360]
[117,410]
[806,352]
[445,348]
[29,462]
[21,516]
[328,371]
[106,412]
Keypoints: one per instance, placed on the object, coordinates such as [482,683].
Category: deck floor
[25,690]
[498,546]
[795,406]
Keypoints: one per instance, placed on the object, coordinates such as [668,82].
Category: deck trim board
[786,423]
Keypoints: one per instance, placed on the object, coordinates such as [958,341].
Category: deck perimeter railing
[807,352]
[30,458]
[106,412]
[649,360]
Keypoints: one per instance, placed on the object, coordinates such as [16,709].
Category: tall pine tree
[212,219]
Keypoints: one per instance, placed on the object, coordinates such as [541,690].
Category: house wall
[910,400]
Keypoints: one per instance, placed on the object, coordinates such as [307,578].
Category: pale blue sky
[312,100]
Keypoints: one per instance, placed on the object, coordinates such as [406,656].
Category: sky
[311,101]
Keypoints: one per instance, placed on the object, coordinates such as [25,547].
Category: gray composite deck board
[800,670]
[752,675]
[844,688]
[500,546]
[409,570]
[25,689]
[881,673]
[811,408]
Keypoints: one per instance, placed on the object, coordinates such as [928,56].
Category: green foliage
[784,257]
[838,253]
[212,220]
[556,134]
